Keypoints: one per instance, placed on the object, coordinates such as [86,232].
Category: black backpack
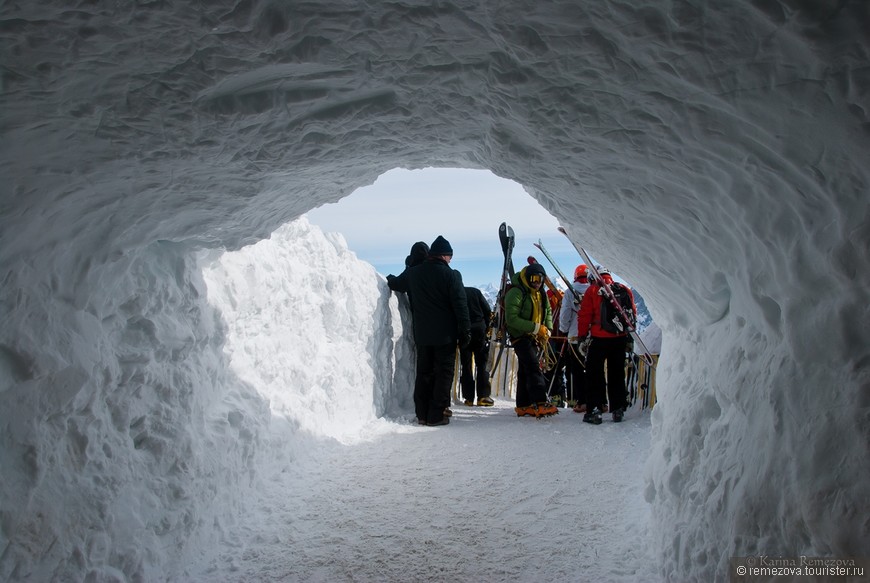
[610,319]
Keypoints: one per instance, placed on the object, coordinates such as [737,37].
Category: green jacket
[518,308]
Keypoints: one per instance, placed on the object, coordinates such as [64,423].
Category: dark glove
[464,339]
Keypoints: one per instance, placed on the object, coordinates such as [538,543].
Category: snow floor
[491,497]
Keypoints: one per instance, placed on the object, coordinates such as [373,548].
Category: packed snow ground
[491,497]
[715,153]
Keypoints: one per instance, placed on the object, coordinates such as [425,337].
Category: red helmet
[580,272]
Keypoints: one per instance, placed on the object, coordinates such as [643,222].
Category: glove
[543,334]
[464,339]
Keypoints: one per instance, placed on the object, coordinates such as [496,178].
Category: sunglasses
[535,279]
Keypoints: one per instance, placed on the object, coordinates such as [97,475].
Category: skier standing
[568,325]
[529,320]
[606,346]
[477,350]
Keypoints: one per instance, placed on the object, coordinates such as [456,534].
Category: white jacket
[570,308]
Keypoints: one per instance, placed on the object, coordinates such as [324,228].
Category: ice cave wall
[714,151]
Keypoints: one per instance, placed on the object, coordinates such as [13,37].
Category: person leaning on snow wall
[529,319]
[609,347]
[440,318]
[475,375]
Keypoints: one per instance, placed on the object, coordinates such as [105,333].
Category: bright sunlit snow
[171,413]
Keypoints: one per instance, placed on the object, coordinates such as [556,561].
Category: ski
[540,245]
[547,281]
[506,237]
[629,327]
[499,333]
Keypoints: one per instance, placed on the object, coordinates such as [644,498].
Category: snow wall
[715,152]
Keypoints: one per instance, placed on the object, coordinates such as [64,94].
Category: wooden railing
[640,379]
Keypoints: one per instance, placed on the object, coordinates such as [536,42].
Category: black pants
[478,348]
[555,377]
[611,351]
[531,385]
[576,374]
[435,367]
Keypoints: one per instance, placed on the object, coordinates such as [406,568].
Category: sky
[465,206]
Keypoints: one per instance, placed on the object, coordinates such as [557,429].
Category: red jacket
[589,317]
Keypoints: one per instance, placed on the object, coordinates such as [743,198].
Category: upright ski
[506,237]
[626,321]
[499,327]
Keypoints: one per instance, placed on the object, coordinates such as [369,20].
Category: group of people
[446,313]
[588,349]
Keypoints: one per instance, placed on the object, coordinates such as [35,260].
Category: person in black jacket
[440,314]
[479,313]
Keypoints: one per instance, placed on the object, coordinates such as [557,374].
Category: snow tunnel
[715,151]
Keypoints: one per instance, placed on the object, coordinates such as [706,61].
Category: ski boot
[485,402]
[545,410]
[523,411]
[468,403]
[617,415]
[593,416]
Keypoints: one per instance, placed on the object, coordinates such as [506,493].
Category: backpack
[610,319]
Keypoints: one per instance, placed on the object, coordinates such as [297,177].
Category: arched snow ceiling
[717,151]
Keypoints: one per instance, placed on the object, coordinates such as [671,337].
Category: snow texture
[712,152]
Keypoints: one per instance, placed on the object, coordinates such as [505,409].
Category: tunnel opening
[378,224]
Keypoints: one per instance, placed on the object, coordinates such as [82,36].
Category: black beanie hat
[440,246]
[535,269]
[419,252]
